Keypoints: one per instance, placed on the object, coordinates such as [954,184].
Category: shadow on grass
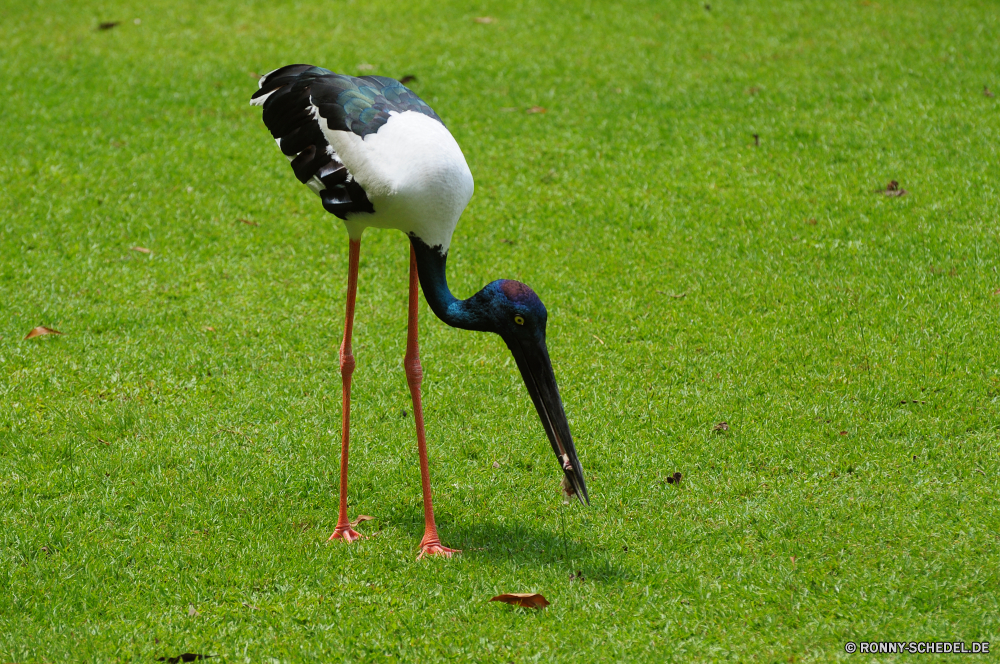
[524,543]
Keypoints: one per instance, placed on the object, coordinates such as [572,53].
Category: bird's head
[512,310]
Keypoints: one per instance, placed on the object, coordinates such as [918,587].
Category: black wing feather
[360,105]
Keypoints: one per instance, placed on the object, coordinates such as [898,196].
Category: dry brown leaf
[40,330]
[527,600]
[996,292]
[247,222]
[192,611]
[721,426]
[485,19]
[537,109]
[893,189]
[361,517]
[141,250]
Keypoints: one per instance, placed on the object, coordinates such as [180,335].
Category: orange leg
[344,530]
[430,545]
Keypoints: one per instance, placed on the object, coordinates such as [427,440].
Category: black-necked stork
[378,156]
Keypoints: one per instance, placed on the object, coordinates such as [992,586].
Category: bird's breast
[414,174]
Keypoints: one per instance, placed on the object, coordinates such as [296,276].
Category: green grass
[849,339]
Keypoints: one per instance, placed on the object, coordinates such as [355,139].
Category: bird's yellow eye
[519,320]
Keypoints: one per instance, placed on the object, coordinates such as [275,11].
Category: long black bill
[533,360]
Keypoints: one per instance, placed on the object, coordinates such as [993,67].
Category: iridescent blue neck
[468,314]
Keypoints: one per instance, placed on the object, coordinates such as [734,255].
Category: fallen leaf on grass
[40,330]
[843,433]
[986,92]
[192,611]
[537,109]
[141,250]
[892,189]
[184,657]
[527,600]
[107,25]
[721,426]
[996,292]
[208,329]
[496,464]
[361,518]
[409,78]
[506,241]
[675,478]
[484,19]
[247,222]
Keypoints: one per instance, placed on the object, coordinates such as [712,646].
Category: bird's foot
[346,533]
[431,546]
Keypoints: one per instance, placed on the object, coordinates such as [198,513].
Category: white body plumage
[414,173]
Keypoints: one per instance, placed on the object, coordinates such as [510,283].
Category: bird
[379,157]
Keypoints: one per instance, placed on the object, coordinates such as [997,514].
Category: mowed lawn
[698,207]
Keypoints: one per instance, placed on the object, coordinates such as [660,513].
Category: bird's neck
[431,268]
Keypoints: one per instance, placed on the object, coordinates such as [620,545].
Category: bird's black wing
[296,97]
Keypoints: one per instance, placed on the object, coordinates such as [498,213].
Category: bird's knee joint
[413,370]
[346,364]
